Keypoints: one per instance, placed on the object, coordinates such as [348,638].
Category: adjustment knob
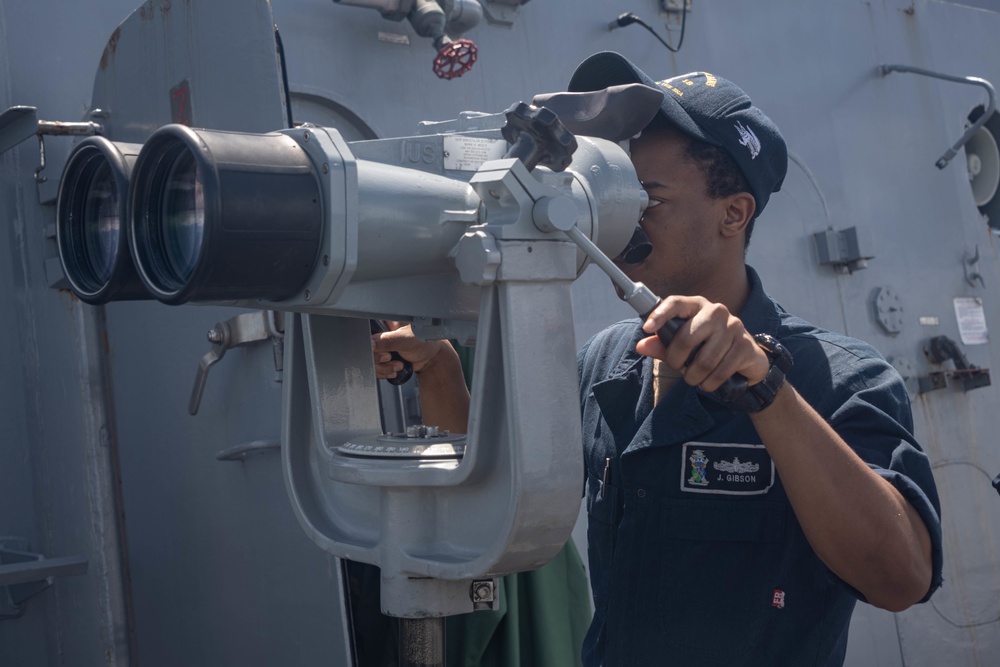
[538,137]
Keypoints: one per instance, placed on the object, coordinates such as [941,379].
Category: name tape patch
[726,469]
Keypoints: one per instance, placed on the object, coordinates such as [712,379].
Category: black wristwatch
[761,395]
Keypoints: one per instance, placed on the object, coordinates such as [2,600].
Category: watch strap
[760,395]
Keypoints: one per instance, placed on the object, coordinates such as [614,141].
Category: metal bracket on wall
[991,106]
[846,250]
[24,574]
[20,123]
[969,267]
[940,349]
[237,331]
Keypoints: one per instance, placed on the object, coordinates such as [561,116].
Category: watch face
[780,356]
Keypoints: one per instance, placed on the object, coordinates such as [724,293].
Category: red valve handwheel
[455,59]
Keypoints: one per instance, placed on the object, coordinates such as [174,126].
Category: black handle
[731,390]
[402,376]
[538,137]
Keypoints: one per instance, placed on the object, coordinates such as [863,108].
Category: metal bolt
[482,591]
[215,335]
[305,136]
[326,168]
[307,295]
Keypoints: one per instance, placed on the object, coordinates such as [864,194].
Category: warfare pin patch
[726,469]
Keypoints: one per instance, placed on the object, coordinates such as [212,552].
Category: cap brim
[609,68]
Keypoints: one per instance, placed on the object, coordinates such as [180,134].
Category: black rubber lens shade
[223,216]
[92,222]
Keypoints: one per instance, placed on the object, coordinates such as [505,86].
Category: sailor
[726,532]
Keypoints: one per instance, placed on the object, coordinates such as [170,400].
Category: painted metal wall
[55,465]
[207,564]
[216,569]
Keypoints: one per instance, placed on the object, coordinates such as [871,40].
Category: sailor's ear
[739,210]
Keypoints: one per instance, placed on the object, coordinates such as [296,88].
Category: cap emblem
[748,139]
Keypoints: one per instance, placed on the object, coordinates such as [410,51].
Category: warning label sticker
[971,320]
[469,153]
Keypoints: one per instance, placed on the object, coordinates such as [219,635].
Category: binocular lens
[90,222]
[101,226]
[183,218]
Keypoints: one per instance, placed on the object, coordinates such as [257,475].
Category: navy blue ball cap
[706,107]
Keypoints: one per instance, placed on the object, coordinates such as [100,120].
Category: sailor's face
[681,220]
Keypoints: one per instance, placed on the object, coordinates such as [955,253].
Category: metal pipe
[973,80]
[421,642]
[637,295]
[58,128]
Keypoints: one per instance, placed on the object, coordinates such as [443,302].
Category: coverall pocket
[717,564]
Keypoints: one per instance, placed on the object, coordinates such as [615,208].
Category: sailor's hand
[710,347]
[400,338]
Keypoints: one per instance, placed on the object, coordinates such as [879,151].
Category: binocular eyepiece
[638,248]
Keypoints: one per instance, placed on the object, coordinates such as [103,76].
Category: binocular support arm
[507,505]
